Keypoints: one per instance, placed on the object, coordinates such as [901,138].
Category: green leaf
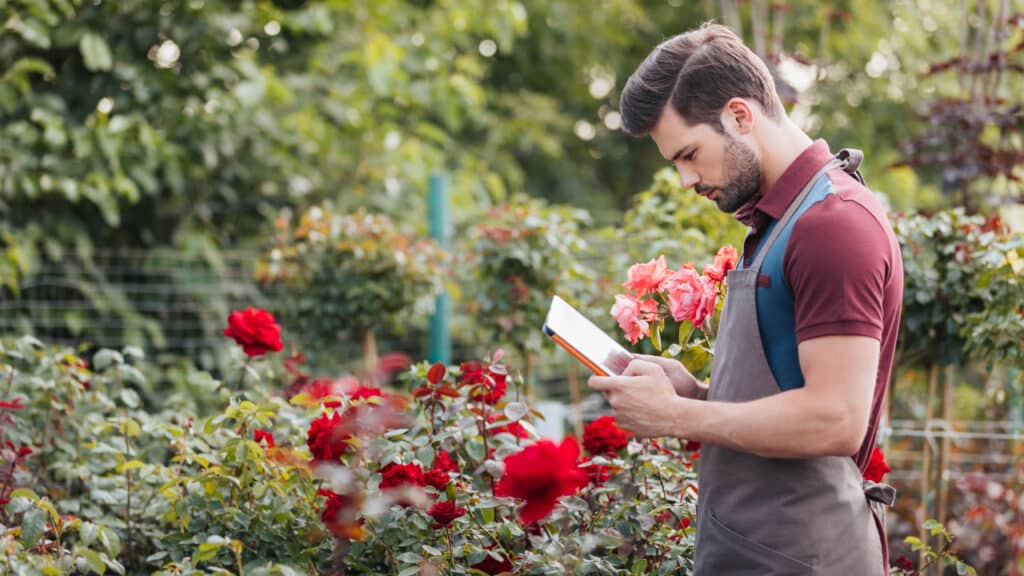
[207,551]
[111,541]
[95,52]
[24,493]
[104,358]
[639,567]
[87,533]
[131,428]
[130,465]
[93,559]
[32,526]
[656,336]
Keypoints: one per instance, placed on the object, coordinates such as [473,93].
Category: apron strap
[791,210]
[852,157]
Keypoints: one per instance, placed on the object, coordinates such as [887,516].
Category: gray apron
[758,516]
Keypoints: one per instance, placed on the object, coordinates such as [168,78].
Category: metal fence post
[440,345]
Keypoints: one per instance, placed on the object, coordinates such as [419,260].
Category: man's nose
[688,178]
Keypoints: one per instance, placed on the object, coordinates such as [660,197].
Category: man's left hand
[642,398]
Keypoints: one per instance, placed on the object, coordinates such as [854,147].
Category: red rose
[321,389]
[597,473]
[491,388]
[444,513]
[12,405]
[439,474]
[876,467]
[365,392]
[395,475]
[540,474]
[492,566]
[603,436]
[904,563]
[263,435]
[333,506]
[327,439]
[443,461]
[514,428]
[437,478]
[255,330]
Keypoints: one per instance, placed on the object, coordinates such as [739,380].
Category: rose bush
[447,474]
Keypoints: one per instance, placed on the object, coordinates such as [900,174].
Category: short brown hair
[698,71]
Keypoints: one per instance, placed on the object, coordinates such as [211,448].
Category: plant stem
[451,553]
[241,377]
[483,432]
[128,490]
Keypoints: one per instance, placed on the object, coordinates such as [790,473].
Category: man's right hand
[684,382]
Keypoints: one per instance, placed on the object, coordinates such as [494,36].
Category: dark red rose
[540,474]
[437,478]
[904,563]
[444,513]
[877,466]
[255,330]
[692,446]
[603,436]
[327,439]
[264,436]
[394,475]
[444,461]
[492,566]
[439,474]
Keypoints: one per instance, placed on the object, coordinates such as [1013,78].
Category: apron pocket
[729,552]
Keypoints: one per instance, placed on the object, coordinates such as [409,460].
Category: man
[807,336]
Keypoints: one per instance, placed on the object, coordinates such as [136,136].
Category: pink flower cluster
[686,294]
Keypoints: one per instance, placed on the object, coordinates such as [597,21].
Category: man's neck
[781,144]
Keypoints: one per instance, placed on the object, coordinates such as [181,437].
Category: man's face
[717,166]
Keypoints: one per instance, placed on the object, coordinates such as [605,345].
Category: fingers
[640,367]
[602,383]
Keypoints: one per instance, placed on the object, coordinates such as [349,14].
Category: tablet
[583,339]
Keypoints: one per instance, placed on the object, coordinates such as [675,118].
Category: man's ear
[738,116]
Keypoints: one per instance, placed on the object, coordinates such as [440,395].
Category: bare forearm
[793,424]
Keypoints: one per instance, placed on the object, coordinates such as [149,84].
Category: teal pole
[440,349]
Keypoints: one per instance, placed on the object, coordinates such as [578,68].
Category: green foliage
[344,274]
[147,490]
[944,556]
[665,219]
[523,253]
[962,289]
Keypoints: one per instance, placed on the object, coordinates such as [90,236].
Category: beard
[742,175]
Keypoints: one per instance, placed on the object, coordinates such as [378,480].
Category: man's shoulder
[847,212]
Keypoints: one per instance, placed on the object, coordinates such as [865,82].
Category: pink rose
[690,296]
[725,260]
[634,316]
[645,278]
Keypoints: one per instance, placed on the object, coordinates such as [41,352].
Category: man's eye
[689,157]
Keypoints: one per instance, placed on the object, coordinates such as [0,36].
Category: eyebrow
[678,154]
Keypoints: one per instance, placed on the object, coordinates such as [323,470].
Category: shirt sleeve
[836,263]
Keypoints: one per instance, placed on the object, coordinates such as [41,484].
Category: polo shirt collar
[773,204]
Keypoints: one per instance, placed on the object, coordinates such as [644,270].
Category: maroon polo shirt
[838,270]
